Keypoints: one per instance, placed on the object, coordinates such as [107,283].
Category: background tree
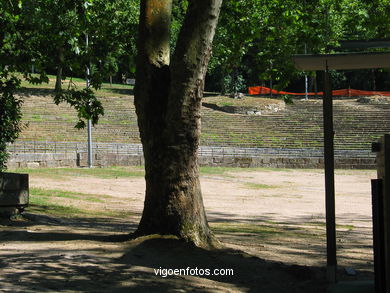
[10,114]
[32,32]
[168,100]
[236,33]
[53,27]
[10,105]
[59,30]
[255,40]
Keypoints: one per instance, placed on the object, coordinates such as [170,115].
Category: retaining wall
[30,160]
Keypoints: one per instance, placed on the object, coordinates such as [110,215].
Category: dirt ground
[271,222]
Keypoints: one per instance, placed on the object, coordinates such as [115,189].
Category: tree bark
[168,102]
[61,59]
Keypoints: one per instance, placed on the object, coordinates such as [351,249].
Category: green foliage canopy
[47,34]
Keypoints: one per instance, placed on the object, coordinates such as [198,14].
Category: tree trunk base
[210,243]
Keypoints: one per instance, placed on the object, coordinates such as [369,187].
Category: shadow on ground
[250,274]
[52,255]
[128,92]
[297,237]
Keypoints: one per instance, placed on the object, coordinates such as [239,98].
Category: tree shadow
[225,109]
[32,91]
[247,273]
[27,236]
[119,91]
[57,229]
[82,270]
[98,257]
[300,236]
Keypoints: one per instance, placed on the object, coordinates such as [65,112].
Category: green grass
[37,118]
[363,172]
[259,185]
[43,205]
[40,192]
[206,170]
[103,173]
[323,224]
[138,171]
[347,227]
[287,129]
[49,202]
[225,104]
[228,228]
[262,231]
[105,90]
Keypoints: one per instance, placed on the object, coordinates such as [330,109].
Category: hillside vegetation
[269,124]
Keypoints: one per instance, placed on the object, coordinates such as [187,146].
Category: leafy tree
[32,32]
[59,29]
[53,27]
[168,100]
[237,31]
[112,27]
[254,41]
[278,39]
[10,114]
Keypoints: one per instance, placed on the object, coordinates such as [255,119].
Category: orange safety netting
[262,90]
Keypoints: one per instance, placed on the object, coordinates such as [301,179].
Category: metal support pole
[271,81]
[90,155]
[378,235]
[306,82]
[383,171]
[329,180]
[90,161]
[306,88]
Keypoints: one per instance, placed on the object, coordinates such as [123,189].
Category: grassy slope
[298,126]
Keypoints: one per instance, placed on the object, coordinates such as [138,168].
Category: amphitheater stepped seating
[299,126]
[356,126]
[49,122]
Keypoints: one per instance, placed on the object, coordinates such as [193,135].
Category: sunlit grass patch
[41,205]
[39,192]
[338,226]
[264,230]
[116,89]
[244,228]
[103,173]
[258,185]
[50,202]
[206,170]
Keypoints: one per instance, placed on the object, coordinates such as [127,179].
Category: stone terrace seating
[298,126]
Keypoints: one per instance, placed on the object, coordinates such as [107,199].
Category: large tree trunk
[61,59]
[168,101]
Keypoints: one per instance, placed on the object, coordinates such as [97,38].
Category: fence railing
[204,151]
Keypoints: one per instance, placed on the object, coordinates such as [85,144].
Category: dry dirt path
[276,215]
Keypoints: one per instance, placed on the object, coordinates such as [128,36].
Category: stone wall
[106,159]
[54,160]
[286,162]
[44,160]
